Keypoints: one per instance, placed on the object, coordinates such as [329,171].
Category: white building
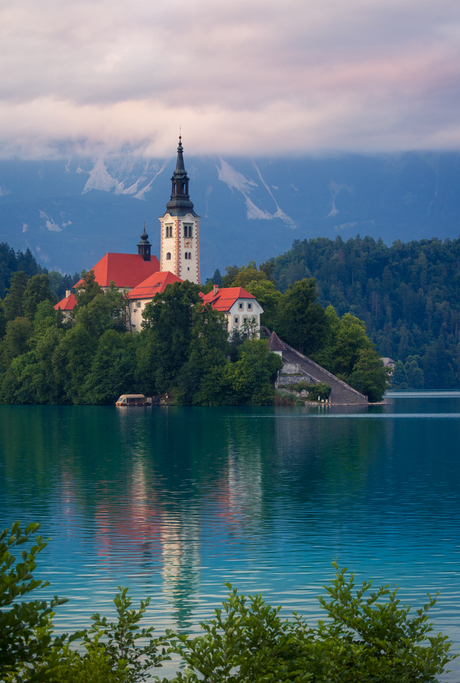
[238,305]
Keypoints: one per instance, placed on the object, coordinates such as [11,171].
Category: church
[140,276]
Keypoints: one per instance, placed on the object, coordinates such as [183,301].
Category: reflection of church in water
[166,530]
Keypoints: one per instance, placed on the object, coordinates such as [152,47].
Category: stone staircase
[341,393]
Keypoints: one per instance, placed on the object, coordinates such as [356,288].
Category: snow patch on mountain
[236,180]
[279,213]
[334,188]
[254,212]
[233,178]
[141,193]
[49,222]
[100,179]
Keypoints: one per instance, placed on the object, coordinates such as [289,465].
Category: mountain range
[69,212]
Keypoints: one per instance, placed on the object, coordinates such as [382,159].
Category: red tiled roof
[125,270]
[66,304]
[224,299]
[153,284]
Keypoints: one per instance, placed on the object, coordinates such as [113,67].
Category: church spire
[180,204]
[144,247]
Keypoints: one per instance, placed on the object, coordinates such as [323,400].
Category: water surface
[173,502]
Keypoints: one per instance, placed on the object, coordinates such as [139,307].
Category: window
[188,268]
[240,306]
[169,231]
[245,320]
[236,320]
[188,255]
[249,307]
[168,256]
[188,231]
[138,304]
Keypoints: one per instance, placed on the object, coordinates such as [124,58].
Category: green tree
[301,320]
[350,340]
[3,320]
[168,321]
[16,340]
[250,380]
[247,274]
[37,290]
[369,375]
[399,376]
[112,369]
[268,297]
[208,349]
[368,637]
[104,311]
[217,277]
[414,372]
[72,361]
[28,650]
[13,299]
[88,289]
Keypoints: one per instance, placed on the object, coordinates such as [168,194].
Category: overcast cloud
[248,77]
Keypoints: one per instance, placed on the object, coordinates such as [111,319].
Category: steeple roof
[180,204]
[275,343]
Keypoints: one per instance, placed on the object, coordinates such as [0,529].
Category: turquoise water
[173,502]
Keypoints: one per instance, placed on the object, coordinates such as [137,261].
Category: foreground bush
[368,636]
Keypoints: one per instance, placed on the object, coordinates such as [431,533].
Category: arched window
[168,256]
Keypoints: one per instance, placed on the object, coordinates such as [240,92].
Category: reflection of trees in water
[146,483]
[327,459]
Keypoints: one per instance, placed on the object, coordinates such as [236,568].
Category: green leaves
[369,636]
[120,640]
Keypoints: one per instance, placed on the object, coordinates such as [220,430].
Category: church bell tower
[180,243]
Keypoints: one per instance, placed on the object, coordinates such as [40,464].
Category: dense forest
[183,348]
[13,261]
[408,296]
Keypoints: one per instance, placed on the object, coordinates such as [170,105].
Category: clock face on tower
[188,244]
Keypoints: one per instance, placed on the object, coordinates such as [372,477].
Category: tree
[369,375]
[27,645]
[13,300]
[351,339]
[37,290]
[16,340]
[399,377]
[217,277]
[208,349]
[72,361]
[112,369]
[367,637]
[88,289]
[301,320]
[268,297]
[250,380]
[414,373]
[168,320]
[104,311]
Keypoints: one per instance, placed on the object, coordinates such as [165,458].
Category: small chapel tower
[180,243]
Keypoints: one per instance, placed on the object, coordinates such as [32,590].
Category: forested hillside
[408,296]
[12,261]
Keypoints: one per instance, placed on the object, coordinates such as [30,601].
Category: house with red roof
[66,305]
[143,294]
[238,305]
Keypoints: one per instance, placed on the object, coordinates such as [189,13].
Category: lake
[175,501]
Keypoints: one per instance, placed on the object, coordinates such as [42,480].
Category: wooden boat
[133,400]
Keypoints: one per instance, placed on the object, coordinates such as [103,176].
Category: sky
[247,77]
